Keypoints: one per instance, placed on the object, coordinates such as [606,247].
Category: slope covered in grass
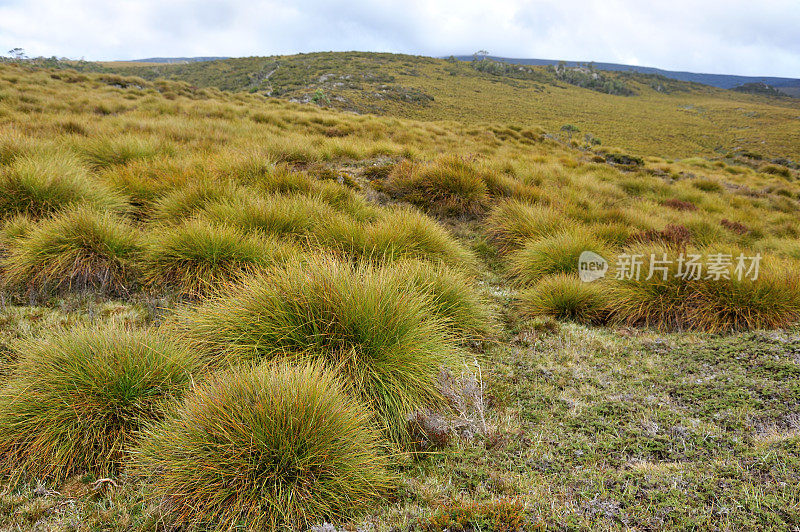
[657,117]
[462,375]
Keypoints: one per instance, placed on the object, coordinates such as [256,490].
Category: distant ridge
[789,86]
[174,59]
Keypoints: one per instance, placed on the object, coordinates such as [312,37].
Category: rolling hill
[790,86]
[644,113]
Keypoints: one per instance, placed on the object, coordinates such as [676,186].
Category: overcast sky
[752,37]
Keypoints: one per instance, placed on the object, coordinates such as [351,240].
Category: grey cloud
[733,36]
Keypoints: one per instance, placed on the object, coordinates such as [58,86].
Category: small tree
[569,129]
[18,54]
[480,55]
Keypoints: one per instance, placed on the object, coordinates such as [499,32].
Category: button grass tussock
[272,447]
[566,297]
[76,399]
[79,249]
[554,254]
[380,332]
[714,305]
[513,222]
[195,257]
[44,183]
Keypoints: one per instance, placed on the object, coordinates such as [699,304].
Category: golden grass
[78,398]
[382,332]
[274,447]
[79,249]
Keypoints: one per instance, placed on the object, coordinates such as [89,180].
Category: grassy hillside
[723,81]
[663,117]
[227,311]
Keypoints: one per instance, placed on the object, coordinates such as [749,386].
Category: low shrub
[565,297]
[358,319]
[197,256]
[734,226]
[76,250]
[673,235]
[77,399]
[554,254]
[503,515]
[41,185]
[270,448]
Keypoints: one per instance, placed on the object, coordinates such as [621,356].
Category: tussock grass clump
[452,295]
[196,256]
[105,151]
[277,179]
[293,216]
[78,249]
[406,233]
[679,205]
[707,185]
[291,149]
[275,447]
[77,399]
[554,254]
[706,304]
[346,200]
[13,145]
[565,297]
[447,186]
[40,185]
[306,220]
[144,182]
[615,234]
[514,222]
[186,201]
[13,229]
[383,336]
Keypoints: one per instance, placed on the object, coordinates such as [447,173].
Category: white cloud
[733,36]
